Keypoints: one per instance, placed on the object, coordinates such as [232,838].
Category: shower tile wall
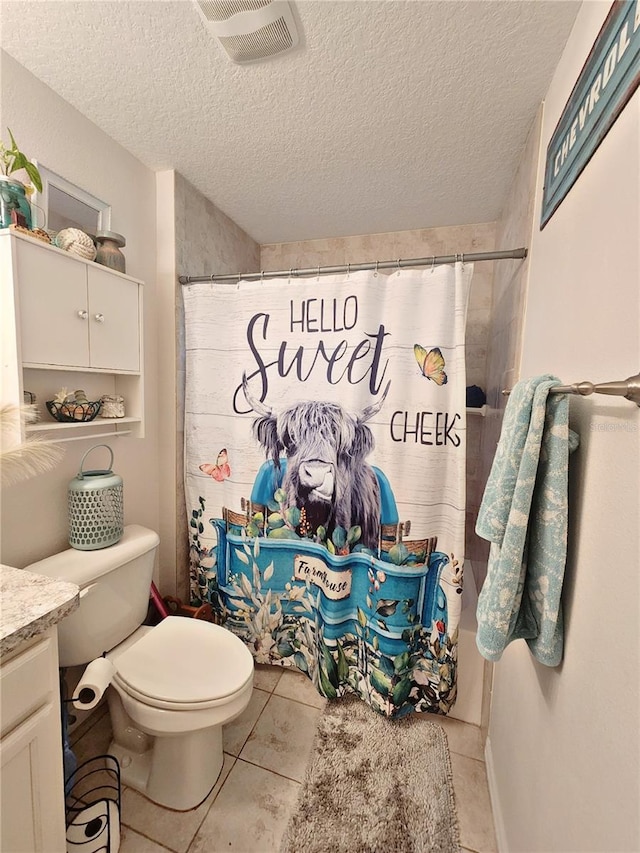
[206,241]
[417,244]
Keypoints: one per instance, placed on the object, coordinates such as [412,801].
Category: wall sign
[607,81]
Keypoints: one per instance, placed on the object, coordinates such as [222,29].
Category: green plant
[12,160]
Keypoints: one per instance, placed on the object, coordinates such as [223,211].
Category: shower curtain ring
[376,272]
[262,276]
[318,272]
[462,258]
[399,266]
[433,262]
[348,270]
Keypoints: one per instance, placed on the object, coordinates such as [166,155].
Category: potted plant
[14,206]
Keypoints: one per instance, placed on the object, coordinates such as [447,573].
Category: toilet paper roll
[95,680]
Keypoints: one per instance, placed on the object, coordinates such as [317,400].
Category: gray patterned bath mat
[375,785]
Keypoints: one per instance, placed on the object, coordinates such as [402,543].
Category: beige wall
[34,512]
[563,751]
[419,244]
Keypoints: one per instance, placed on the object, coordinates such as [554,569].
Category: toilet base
[177,771]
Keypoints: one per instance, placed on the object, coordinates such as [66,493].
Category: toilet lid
[186,661]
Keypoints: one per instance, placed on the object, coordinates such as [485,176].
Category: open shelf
[97,422]
[59,433]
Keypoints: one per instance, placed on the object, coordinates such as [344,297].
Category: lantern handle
[95,447]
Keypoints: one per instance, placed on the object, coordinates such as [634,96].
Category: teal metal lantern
[96,507]
[13,200]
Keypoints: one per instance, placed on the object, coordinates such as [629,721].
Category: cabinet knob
[83,315]
[99,318]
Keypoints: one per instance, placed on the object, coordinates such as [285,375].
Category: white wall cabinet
[31,768]
[74,314]
[70,323]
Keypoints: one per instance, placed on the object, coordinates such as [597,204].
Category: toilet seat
[184,664]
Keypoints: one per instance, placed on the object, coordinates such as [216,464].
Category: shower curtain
[325,475]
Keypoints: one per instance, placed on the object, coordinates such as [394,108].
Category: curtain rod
[517,254]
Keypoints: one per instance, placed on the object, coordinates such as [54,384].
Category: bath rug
[375,785]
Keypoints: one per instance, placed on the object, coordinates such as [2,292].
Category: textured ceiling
[391,115]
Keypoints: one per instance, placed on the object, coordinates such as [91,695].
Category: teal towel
[524,516]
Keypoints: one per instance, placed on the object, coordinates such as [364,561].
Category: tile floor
[266,751]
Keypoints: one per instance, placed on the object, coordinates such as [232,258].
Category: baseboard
[498,821]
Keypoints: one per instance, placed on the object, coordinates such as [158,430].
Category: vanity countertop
[30,604]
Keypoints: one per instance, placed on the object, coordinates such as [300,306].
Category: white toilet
[175,684]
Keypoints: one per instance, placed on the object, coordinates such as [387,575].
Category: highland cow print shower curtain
[325,475]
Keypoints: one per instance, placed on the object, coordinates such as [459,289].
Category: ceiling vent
[250,30]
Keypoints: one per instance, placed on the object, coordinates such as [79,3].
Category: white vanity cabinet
[32,798]
[70,323]
[31,749]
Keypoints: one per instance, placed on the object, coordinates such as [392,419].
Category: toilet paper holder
[94,681]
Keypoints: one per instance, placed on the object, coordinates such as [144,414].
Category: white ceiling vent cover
[250,30]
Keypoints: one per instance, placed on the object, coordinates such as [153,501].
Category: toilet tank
[114,593]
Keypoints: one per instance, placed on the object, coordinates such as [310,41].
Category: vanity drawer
[27,681]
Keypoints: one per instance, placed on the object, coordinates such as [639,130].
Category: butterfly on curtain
[221,470]
[431,363]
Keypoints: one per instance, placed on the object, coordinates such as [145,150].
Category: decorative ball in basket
[96,507]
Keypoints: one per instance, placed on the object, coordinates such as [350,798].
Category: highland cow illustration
[326,473]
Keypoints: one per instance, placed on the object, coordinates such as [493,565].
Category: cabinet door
[32,786]
[114,331]
[54,319]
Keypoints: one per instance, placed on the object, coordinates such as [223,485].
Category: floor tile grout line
[299,702]
[465,755]
[244,742]
[470,757]
[148,837]
[235,760]
[197,830]
[204,817]
[269,770]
